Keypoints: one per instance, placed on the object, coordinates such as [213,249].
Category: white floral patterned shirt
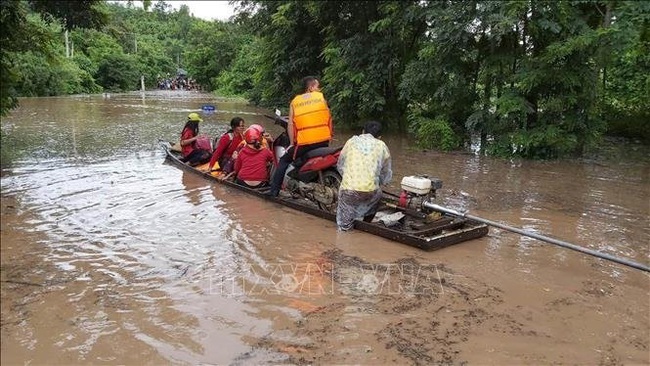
[364,164]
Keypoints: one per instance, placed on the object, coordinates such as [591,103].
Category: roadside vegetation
[533,79]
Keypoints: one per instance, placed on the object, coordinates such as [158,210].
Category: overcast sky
[207,10]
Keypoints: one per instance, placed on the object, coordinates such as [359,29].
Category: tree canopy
[531,78]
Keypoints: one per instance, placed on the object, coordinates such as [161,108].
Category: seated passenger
[267,140]
[227,145]
[252,163]
[193,152]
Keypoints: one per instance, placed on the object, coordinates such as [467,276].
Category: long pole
[547,239]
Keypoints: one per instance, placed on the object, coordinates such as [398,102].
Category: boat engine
[416,190]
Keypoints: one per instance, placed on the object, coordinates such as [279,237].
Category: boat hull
[436,234]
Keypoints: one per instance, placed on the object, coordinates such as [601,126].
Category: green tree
[293,44]
[73,14]
[16,37]
[523,73]
[119,72]
[240,79]
[210,49]
[440,83]
[626,78]
[368,45]
[19,36]
[531,78]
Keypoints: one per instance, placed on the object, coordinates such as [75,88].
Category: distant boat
[208,108]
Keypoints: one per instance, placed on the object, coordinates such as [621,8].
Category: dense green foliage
[533,78]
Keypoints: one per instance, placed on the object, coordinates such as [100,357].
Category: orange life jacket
[311,119]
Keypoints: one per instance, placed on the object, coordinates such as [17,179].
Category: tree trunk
[607,22]
[67,44]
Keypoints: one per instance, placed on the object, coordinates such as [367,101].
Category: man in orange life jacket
[309,127]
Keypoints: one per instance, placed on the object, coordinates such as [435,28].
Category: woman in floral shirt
[365,166]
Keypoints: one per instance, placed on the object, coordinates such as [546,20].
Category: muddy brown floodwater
[109,255]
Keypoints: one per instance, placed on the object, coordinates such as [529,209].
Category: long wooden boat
[425,231]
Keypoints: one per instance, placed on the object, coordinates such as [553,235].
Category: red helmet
[259,128]
[252,135]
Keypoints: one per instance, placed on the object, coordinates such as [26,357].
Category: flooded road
[109,255]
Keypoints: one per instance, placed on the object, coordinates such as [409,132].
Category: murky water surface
[110,255]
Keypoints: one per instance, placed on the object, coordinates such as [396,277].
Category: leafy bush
[630,125]
[435,134]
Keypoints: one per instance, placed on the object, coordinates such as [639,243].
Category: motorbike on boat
[312,176]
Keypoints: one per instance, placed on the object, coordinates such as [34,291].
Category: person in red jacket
[253,161]
[193,153]
[224,152]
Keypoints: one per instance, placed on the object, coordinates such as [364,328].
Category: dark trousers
[286,159]
[197,157]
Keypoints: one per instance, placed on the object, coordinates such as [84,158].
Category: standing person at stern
[365,166]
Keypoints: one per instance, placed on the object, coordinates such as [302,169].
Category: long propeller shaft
[547,239]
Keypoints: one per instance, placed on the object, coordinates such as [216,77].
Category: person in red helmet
[266,139]
[259,128]
[253,161]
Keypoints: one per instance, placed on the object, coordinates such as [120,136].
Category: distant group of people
[245,154]
[180,82]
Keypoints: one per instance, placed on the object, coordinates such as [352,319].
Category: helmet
[252,135]
[194,117]
[259,128]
